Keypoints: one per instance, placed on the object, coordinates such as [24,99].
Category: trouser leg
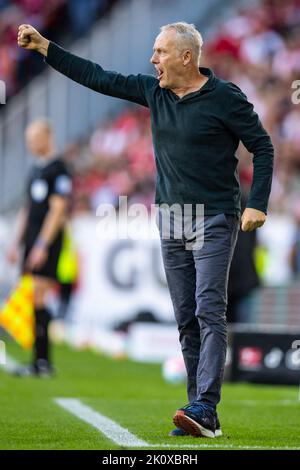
[212,264]
[181,278]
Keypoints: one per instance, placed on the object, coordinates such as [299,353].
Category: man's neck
[47,157]
[49,154]
[192,84]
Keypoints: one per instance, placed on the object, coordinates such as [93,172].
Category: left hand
[37,258]
[252,219]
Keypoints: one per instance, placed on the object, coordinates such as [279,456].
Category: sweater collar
[211,82]
[208,86]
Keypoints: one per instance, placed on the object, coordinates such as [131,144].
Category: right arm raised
[132,87]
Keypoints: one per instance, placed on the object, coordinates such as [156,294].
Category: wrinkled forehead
[166,40]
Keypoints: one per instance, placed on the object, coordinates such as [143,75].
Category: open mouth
[159,74]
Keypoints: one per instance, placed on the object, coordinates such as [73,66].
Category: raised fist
[30,38]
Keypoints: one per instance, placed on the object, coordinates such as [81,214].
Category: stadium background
[120,304]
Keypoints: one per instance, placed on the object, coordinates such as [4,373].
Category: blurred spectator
[259,50]
[82,14]
[256,48]
[243,276]
[54,18]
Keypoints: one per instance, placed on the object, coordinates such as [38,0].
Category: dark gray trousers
[197,281]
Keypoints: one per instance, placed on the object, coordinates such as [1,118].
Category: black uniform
[45,180]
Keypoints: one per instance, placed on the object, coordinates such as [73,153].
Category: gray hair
[189,37]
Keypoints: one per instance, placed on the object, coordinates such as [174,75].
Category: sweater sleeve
[135,88]
[244,122]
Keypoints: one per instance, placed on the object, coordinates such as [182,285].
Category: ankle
[206,406]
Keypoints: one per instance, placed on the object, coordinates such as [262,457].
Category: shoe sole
[190,426]
[218,433]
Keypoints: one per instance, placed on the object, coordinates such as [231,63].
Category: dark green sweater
[195,138]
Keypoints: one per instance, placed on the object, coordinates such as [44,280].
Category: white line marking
[223,446]
[106,426]
[265,403]
[10,364]
[2,352]
[124,438]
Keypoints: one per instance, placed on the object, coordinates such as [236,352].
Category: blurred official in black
[40,233]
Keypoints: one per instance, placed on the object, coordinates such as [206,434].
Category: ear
[187,57]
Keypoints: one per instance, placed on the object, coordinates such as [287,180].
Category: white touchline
[10,364]
[284,402]
[222,446]
[123,437]
[106,426]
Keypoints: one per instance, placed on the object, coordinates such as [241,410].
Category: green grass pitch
[136,397]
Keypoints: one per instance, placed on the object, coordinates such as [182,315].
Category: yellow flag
[17,314]
[67,267]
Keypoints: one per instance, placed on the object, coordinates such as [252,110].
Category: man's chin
[162,84]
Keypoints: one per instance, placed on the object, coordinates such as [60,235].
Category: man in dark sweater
[197,123]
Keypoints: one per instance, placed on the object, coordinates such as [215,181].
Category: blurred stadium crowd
[67,19]
[259,50]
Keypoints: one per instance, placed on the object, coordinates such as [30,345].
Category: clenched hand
[30,38]
[252,219]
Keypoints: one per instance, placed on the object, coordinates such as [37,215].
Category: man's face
[167,59]
[38,139]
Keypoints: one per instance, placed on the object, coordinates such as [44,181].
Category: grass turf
[136,397]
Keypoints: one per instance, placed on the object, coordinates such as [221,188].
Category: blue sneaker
[177,432]
[218,431]
[196,420]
